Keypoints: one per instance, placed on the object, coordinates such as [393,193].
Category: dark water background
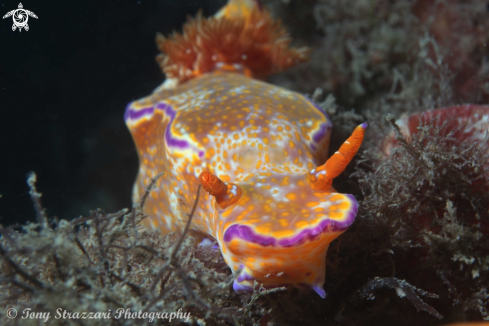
[64,85]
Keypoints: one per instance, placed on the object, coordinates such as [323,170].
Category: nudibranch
[258,150]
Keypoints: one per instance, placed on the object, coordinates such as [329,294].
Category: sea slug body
[258,150]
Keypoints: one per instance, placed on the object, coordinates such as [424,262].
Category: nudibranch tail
[242,37]
[321,178]
[226,194]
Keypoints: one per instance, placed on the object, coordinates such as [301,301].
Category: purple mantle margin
[134,115]
[246,233]
[170,140]
[322,132]
[323,128]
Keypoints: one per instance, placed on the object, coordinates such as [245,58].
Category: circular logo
[11,313]
[20,18]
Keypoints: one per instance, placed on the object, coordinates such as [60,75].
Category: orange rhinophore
[212,184]
[257,149]
[226,194]
[321,178]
